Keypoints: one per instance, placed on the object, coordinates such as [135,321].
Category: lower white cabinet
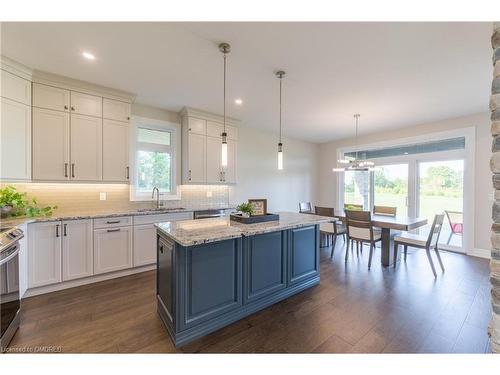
[44,254]
[144,244]
[77,254]
[112,249]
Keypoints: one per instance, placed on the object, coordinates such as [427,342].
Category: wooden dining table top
[404,223]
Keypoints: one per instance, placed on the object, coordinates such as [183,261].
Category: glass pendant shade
[280,156]
[224,152]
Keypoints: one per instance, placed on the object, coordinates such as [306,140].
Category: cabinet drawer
[15,88]
[160,218]
[115,110]
[85,104]
[111,222]
[50,97]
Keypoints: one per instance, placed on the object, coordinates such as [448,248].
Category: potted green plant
[14,203]
[246,209]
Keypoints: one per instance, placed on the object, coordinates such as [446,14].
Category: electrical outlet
[209,194]
[102,196]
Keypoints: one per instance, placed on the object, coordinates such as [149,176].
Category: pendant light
[225,48]
[280,75]
[356,164]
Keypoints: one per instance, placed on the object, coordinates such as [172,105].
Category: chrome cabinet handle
[65,230]
[113,230]
[73,170]
[65,169]
[57,230]
[127,171]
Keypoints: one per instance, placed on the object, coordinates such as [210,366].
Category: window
[154,159]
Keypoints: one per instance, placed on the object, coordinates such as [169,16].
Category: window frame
[154,124]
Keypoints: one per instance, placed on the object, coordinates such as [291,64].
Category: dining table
[391,226]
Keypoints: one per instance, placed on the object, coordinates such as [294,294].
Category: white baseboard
[87,280]
[480,253]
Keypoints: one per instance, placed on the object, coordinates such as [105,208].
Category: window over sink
[154,157]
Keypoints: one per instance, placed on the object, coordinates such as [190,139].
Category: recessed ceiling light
[238,101]
[88,55]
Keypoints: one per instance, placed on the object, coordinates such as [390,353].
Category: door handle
[189,175]
[113,222]
[127,171]
[161,249]
[73,170]
[113,230]
[57,230]
[65,169]
[65,230]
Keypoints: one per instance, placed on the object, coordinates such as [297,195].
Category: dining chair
[456,220]
[332,230]
[385,210]
[360,229]
[353,207]
[422,242]
[305,207]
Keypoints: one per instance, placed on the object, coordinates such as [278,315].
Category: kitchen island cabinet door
[303,256]
[112,249]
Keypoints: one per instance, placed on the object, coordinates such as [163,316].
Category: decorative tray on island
[254,219]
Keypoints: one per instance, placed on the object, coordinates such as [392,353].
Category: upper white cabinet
[86,148]
[201,154]
[115,110]
[50,97]
[85,104]
[50,145]
[15,88]
[77,254]
[115,140]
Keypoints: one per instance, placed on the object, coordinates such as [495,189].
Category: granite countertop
[196,232]
[86,214]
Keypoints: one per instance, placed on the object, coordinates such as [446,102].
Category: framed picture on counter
[259,206]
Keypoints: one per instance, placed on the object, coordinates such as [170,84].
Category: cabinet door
[115,110]
[112,249]
[85,104]
[50,145]
[44,254]
[77,249]
[86,148]
[15,88]
[197,126]
[214,167]
[230,175]
[196,158]
[303,254]
[15,141]
[115,151]
[214,129]
[49,97]
[144,245]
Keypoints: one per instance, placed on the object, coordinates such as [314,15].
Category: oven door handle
[4,261]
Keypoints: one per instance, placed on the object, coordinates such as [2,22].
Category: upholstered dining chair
[332,230]
[422,242]
[456,220]
[360,229]
[385,210]
[305,208]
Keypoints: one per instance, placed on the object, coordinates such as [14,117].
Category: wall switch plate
[209,194]
[102,196]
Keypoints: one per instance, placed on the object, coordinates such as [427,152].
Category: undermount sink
[164,209]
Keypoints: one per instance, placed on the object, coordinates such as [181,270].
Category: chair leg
[333,245]
[370,257]
[439,258]
[357,247]
[430,261]
[406,251]
[344,237]
[395,253]
[347,249]
[449,238]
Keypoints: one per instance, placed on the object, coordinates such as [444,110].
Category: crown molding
[18,69]
[198,113]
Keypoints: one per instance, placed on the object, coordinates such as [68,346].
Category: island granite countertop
[196,232]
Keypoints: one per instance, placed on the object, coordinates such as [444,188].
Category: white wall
[483,186]
[258,175]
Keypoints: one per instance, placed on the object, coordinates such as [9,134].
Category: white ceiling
[394,74]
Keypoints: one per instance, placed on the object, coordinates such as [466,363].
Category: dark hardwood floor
[353,310]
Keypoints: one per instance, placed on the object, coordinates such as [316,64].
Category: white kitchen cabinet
[113,249]
[85,104]
[86,148]
[215,129]
[115,135]
[15,88]
[144,244]
[50,145]
[50,97]
[196,172]
[77,253]
[115,110]
[197,126]
[229,175]
[213,159]
[44,253]
[15,142]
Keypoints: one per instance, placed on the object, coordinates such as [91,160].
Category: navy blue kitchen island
[213,272]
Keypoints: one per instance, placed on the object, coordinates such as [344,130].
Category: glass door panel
[391,187]
[357,189]
[440,190]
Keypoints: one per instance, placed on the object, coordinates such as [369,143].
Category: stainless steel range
[9,284]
